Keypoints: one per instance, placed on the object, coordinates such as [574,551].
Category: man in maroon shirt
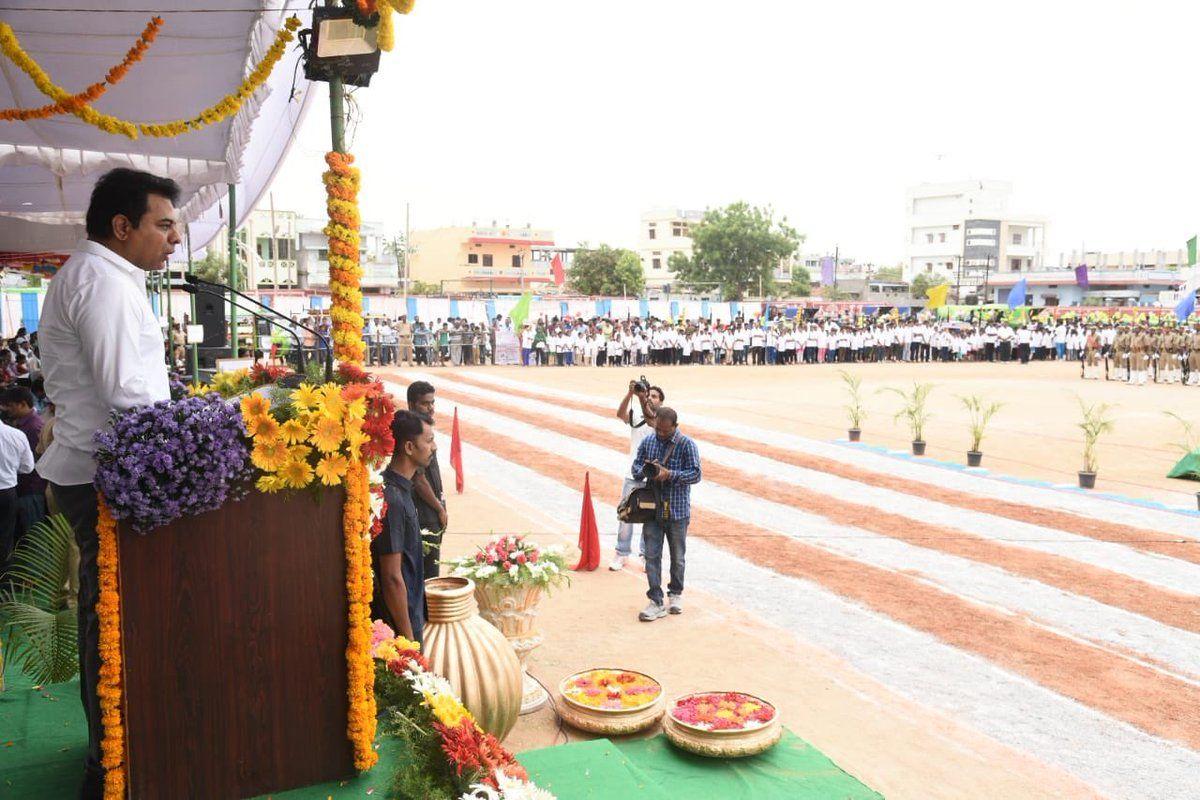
[20,413]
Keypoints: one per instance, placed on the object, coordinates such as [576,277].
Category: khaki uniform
[1194,358]
[1139,358]
[1120,355]
[404,341]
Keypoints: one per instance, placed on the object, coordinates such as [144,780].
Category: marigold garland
[92,93]
[360,671]
[223,109]
[108,690]
[341,187]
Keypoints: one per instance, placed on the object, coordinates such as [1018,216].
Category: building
[298,258]
[964,232]
[664,232]
[483,259]
[1122,278]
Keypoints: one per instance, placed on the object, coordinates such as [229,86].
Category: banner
[1081,276]
[508,348]
[1192,252]
[828,271]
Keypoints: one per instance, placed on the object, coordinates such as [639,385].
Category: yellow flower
[305,397]
[269,455]
[198,389]
[331,468]
[327,434]
[357,408]
[293,431]
[331,402]
[406,644]
[299,452]
[263,428]
[448,710]
[296,473]
[255,406]
[355,440]
[269,484]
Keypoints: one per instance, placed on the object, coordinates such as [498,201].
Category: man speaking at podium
[102,351]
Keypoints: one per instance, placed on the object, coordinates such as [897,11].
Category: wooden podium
[234,633]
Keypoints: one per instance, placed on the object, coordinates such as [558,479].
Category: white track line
[1121,632]
[1112,756]
[1084,505]
[1152,568]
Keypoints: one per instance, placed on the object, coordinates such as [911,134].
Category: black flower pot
[1087,480]
[974,457]
[855,434]
[918,448]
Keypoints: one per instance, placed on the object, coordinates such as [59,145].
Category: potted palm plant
[37,612]
[914,412]
[855,407]
[1095,423]
[981,414]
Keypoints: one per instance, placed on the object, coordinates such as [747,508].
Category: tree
[801,285]
[923,281]
[215,268]
[738,248]
[606,270]
[422,287]
[889,274]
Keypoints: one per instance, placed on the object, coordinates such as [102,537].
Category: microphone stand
[192,279]
[192,289]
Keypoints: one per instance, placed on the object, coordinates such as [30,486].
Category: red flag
[456,454]
[589,534]
[556,268]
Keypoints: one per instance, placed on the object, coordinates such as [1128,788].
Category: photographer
[640,418]
[671,460]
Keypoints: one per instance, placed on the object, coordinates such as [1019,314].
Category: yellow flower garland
[345,273]
[360,672]
[226,107]
[108,611]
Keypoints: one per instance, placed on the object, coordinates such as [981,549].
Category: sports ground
[937,632]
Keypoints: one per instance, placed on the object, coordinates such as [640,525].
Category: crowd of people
[26,433]
[1134,352]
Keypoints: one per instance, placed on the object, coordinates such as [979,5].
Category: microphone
[196,281]
[198,290]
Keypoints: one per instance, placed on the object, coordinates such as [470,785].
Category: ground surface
[937,633]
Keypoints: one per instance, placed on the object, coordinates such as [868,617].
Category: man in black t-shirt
[399,596]
[427,484]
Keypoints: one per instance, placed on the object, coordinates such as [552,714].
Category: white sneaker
[674,604]
[618,563]
[652,612]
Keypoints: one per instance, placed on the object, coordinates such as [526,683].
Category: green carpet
[43,739]
[654,769]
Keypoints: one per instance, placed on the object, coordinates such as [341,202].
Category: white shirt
[638,428]
[102,351]
[15,456]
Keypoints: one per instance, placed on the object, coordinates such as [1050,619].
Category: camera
[640,386]
[649,471]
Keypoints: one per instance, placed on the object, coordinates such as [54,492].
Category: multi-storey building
[663,232]
[963,232]
[299,256]
[483,258]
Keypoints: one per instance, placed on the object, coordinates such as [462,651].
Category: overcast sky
[579,116]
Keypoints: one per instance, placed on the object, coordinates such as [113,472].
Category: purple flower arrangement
[171,459]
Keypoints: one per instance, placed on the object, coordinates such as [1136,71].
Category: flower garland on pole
[221,110]
[345,272]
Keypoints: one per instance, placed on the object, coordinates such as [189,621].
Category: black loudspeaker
[210,312]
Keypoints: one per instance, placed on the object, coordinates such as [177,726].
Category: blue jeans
[625,529]
[674,531]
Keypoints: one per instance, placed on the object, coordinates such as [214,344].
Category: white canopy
[201,54]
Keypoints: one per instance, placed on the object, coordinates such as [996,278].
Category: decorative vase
[472,655]
[855,434]
[1087,480]
[974,458]
[513,609]
[918,447]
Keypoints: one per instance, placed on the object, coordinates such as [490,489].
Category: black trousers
[78,505]
[8,524]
